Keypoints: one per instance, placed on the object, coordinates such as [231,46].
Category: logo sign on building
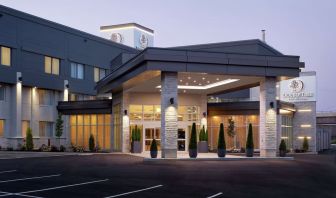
[299,89]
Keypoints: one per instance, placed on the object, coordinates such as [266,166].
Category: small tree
[153,146]
[305,144]
[193,138]
[231,127]
[221,137]
[249,141]
[59,128]
[206,135]
[29,139]
[283,146]
[91,143]
[202,134]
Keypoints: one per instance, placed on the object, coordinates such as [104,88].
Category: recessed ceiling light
[203,78]
[194,81]
[187,83]
[184,91]
[217,79]
[199,84]
[181,80]
[208,81]
[189,77]
[208,86]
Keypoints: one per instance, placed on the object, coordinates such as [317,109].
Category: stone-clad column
[268,118]
[169,106]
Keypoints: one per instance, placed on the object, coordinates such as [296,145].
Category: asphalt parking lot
[117,175]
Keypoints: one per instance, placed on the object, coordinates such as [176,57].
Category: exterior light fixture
[204,114]
[272,105]
[125,112]
[67,86]
[20,79]
[171,100]
[204,87]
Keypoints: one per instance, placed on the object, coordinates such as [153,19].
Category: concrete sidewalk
[26,154]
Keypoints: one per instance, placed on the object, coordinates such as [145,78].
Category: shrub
[59,128]
[62,148]
[43,148]
[136,134]
[221,137]
[10,149]
[53,148]
[193,137]
[203,134]
[153,146]
[249,141]
[283,146]
[206,135]
[305,144]
[29,140]
[333,141]
[91,143]
[231,127]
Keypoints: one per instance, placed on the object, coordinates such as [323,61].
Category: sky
[302,27]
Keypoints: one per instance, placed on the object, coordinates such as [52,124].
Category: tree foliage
[91,143]
[231,127]
[305,144]
[29,140]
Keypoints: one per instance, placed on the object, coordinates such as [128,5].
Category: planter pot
[203,146]
[221,152]
[153,154]
[282,153]
[249,152]
[192,153]
[136,147]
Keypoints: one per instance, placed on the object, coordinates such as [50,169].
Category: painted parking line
[7,171]
[135,191]
[17,194]
[215,195]
[29,178]
[59,187]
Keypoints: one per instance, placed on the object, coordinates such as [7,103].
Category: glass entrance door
[181,139]
[150,134]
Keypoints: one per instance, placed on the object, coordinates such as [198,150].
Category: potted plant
[249,142]
[136,136]
[153,149]
[203,141]
[305,144]
[193,142]
[221,148]
[282,148]
[91,143]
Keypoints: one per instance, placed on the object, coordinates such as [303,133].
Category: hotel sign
[299,89]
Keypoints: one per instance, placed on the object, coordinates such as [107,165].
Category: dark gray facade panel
[166,66]
[246,70]
[234,61]
[203,59]
[282,72]
[211,68]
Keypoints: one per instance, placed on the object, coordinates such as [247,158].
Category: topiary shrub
[249,142]
[91,143]
[153,149]
[202,135]
[283,148]
[221,138]
[193,140]
[29,140]
[62,148]
[305,144]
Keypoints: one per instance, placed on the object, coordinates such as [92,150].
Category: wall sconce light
[67,86]
[272,105]
[125,112]
[20,79]
[171,100]
[204,114]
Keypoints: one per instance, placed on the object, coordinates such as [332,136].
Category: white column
[169,104]
[66,91]
[268,118]
[18,105]
[126,144]
[204,107]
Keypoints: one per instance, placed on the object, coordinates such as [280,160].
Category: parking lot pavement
[128,176]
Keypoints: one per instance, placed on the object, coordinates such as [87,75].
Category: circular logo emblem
[116,37]
[296,85]
[143,41]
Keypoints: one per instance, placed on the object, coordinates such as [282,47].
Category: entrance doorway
[150,134]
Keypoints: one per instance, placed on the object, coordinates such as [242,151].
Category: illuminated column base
[169,106]
[268,118]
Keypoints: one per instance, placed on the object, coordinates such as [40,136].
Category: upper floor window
[2,128]
[77,70]
[2,92]
[45,97]
[51,65]
[99,74]
[5,56]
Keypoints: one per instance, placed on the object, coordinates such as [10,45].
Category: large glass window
[45,97]
[2,92]
[51,65]
[6,56]
[81,126]
[287,130]
[2,128]
[45,129]
[77,70]
[99,74]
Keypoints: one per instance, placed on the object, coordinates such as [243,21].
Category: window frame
[2,48]
[52,64]
[3,127]
[97,73]
[75,73]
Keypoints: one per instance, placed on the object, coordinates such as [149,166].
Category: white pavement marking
[127,193]
[22,195]
[7,171]
[29,178]
[215,195]
[58,187]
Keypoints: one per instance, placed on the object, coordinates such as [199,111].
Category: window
[45,97]
[45,129]
[51,65]
[99,74]
[77,70]
[2,92]
[5,56]
[2,128]
[25,125]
